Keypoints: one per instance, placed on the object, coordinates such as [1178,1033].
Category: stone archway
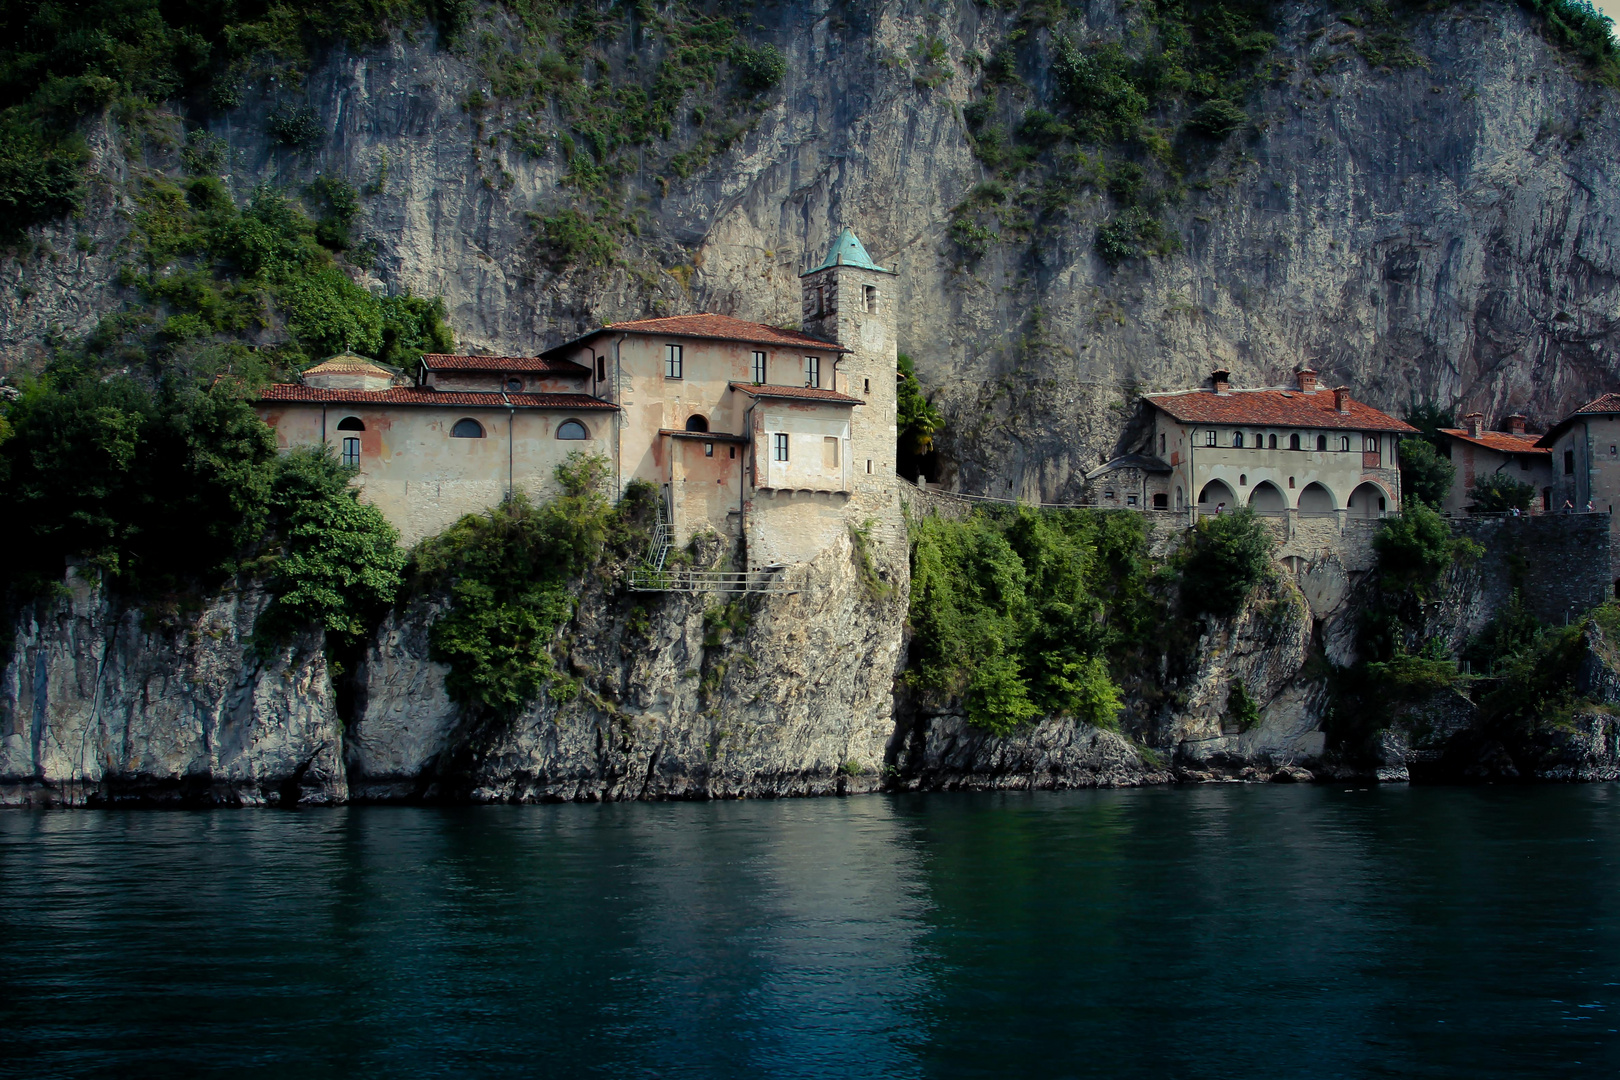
[1267,499]
[1316,499]
[1368,501]
[1215,493]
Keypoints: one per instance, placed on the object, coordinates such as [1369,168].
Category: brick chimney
[1515,423]
[1341,394]
[1473,422]
[1222,380]
[1307,380]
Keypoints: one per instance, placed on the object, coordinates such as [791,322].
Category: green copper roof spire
[847,251]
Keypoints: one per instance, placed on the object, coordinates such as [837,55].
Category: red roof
[410,395]
[719,327]
[541,364]
[1275,408]
[1608,403]
[797,393]
[1503,442]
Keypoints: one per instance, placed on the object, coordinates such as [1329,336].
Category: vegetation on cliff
[510,576]
[1022,612]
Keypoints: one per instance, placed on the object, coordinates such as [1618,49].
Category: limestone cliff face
[1442,230]
[668,704]
[97,706]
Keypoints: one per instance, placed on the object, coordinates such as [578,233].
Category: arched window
[1272,445]
[351,423]
[1344,444]
[467,428]
[572,429]
[1321,442]
[697,422]
[1293,441]
[1237,440]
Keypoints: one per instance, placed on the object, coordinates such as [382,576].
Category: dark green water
[1208,932]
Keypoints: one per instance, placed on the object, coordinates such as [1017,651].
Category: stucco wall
[421,478]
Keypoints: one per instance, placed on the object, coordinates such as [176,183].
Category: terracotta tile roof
[797,393]
[1608,403]
[1274,408]
[707,436]
[349,364]
[1503,442]
[540,364]
[410,395]
[718,327]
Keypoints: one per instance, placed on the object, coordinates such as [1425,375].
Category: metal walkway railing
[656,575]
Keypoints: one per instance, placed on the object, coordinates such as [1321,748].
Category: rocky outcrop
[104,703]
[664,700]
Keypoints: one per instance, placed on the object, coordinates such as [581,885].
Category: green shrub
[341,563]
[1498,492]
[152,488]
[918,419]
[759,69]
[570,238]
[1132,235]
[1022,612]
[509,575]
[1416,547]
[295,126]
[1426,475]
[1241,709]
[39,173]
[1217,119]
[1222,561]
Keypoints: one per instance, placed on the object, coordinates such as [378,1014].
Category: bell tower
[848,299]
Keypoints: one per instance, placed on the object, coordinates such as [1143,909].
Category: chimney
[1222,380]
[1515,423]
[1341,394]
[1307,380]
[1473,422]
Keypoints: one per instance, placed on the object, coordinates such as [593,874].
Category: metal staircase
[655,574]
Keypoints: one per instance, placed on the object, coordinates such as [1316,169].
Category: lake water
[1226,931]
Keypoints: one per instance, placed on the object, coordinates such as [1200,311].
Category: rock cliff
[1428,222]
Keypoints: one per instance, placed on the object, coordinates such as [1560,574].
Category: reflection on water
[1219,931]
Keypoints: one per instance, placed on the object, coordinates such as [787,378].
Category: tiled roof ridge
[1491,439]
[711,325]
[481,362]
[411,395]
[1275,407]
[807,393]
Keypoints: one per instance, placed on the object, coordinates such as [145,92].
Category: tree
[1416,546]
[1426,474]
[1224,559]
[1497,493]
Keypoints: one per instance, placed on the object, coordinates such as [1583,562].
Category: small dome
[347,371]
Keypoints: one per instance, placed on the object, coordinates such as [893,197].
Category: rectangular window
[1130,500]
[759,368]
[1569,463]
[708,449]
[351,452]
[780,442]
[672,361]
[866,387]
[1161,445]
[868,464]
[829,452]
[601,369]
[1209,438]
[871,299]
[812,371]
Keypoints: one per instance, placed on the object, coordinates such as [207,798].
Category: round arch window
[572,429]
[467,428]
[351,423]
[697,422]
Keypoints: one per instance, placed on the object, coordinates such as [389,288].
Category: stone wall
[1561,561]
